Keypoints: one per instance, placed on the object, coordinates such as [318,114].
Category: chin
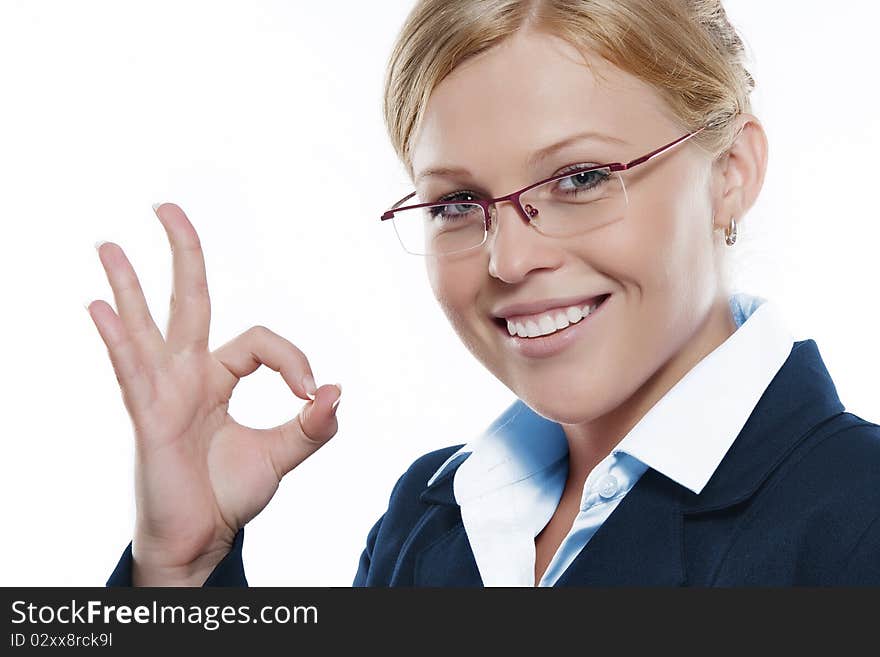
[563,405]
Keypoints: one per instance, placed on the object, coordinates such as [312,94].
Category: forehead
[531,90]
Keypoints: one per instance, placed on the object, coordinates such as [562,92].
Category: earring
[730,233]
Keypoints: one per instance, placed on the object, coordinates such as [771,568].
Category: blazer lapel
[447,559]
[639,544]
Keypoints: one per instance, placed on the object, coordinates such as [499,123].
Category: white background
[263,121]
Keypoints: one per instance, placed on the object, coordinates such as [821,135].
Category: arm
[360,579]
[386,536]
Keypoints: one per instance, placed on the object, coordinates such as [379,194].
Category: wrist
[193,574]
[148,568]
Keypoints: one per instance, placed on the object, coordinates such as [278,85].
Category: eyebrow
[533,160]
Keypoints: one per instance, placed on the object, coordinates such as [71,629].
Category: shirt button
[608,486]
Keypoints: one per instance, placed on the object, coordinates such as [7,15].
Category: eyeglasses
[564,205]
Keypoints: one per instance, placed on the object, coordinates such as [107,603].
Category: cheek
[668,246]
[669,267]
[456,286]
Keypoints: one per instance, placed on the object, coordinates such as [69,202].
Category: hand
[199,474]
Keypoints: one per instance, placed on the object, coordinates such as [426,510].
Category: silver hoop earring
[730,233]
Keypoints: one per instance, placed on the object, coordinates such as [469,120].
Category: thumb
[318,418]
[293,442]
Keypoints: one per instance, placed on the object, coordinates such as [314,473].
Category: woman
[665,431]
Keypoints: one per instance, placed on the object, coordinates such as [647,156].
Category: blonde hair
[685,49]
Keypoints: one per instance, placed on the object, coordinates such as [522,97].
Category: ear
[739,172]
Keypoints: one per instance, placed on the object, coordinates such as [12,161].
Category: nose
[515,248]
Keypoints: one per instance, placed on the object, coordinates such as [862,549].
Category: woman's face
[659,263]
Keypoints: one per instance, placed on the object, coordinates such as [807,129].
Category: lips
[589,301]
[536,307]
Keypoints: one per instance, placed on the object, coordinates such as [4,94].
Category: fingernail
[336,403]
[86,306]
[99,243]
[308,382]
[156,205]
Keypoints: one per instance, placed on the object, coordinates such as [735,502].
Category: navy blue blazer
[795,501]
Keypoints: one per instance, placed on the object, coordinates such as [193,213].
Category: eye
[453,210]
[581,181]
[585,179]
[463,196]
[458,207]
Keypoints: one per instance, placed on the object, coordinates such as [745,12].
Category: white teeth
[549,323]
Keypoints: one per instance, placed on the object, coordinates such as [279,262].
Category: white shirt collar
[684,436]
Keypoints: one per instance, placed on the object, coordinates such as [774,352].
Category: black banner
[130,621]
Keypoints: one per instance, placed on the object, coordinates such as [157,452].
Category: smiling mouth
[550,323]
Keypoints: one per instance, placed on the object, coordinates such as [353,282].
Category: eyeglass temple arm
[659,151]
[388,214]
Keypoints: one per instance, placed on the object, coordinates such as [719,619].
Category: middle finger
[190,316]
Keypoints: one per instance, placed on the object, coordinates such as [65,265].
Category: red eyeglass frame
[514,196]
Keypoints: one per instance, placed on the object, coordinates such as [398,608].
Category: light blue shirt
[511,482]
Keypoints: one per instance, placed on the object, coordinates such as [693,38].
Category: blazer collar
[800,397]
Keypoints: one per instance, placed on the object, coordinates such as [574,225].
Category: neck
[590,442]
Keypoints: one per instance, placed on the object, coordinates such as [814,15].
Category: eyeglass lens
[564,207]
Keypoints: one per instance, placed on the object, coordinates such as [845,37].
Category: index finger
[190,314]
